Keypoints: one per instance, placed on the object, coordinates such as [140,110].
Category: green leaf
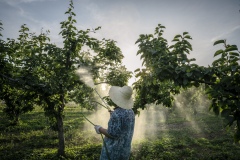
[234,68]
[218,42]
[218,52]
[189,74]
[216,62]
[183,69]
[232,48]
[175,40]
[225,112]
[192,59]
[137,70]
[184,33]
[177,36]
[207,70]
[230,120]
[177,70]
[185,81]
[234,53]
[188,37]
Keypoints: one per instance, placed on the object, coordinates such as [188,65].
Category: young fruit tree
[168,69]
[17,97]
[36,71]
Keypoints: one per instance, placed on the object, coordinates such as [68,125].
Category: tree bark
[61,139]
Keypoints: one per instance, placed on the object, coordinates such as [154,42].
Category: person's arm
[104,131]
[111,132]
[100,130]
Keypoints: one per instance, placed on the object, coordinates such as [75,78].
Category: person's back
[120,128]
[118,135]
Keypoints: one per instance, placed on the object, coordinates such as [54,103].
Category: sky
[124,20]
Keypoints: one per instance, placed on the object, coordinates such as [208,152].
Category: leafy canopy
[168,69]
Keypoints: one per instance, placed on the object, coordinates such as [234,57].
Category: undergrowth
[33,139]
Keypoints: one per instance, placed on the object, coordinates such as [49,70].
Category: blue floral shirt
[120,127]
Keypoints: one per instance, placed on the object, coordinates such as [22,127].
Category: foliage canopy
[35,71]
[168,69]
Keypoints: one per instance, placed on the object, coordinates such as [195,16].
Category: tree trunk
[61,139]
[16,120]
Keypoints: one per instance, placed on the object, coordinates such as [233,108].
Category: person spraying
[118,135]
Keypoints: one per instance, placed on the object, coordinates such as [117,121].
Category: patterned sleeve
[114,125]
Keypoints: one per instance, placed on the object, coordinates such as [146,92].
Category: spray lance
[107,107]
[86,77]
[104,143]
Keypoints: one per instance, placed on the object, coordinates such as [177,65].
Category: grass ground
[177,137]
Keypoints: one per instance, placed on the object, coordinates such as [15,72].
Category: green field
[173,135]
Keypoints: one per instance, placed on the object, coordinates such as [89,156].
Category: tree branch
[11,79]
[101,83]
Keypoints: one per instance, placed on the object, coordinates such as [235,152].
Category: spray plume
[85,75]
[146,118]
[100,134]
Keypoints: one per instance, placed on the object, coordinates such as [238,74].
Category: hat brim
[118,99]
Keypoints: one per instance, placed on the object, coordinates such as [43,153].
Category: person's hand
[110,111]
[97,127]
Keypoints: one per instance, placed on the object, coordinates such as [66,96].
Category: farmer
[118,135]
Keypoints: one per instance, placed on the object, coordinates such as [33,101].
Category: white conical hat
[122,96]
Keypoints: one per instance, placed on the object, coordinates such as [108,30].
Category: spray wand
[100,104]
[91,84]
[107,107]
[86,77]
[100,133]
